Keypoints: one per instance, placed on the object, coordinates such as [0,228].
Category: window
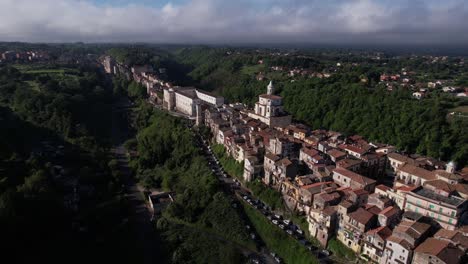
[450,220]
[431,206]
[453,213]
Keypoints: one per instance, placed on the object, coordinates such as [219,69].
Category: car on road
[253,236]
[277,259]
[247,227]
[299,231]
[312,248]
[325,252]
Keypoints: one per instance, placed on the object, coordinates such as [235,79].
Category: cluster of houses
[342,184]
[420,90]
[10,56]
[385,206]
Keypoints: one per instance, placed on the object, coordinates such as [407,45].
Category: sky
[236,21]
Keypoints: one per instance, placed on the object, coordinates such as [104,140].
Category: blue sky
[235,21]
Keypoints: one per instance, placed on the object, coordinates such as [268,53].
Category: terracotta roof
[399,157]
[347,163]
[285,162]
[355,149]
[310,152]
[413,229]
[336,153]
[361,216]
[441,249]
[418,172]
[441,185]
[400,241]
[389,211]
[272,157]
[383,232]
[447,175]
[455,236]
[382,187]
[329,210]
[354,176]
[270,96]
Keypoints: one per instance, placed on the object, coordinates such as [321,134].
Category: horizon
[356,22]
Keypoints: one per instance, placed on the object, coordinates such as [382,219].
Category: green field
[250,70]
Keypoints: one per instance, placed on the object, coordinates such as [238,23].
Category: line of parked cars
[287,225]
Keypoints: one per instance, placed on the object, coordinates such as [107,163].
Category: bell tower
[270,88]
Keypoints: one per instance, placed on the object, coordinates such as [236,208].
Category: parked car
[290,232]
[274,221]
[281,226]
[277,216]
[325,252]
[277,259]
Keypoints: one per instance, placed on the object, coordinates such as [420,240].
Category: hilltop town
[385,205]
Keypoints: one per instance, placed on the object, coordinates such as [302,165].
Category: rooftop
[451,200]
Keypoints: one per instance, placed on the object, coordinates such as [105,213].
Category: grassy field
[251,70]
[277,240]
[340,250]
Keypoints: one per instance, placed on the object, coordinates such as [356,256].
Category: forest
[201,213]
[58,196]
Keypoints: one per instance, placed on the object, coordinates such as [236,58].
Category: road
[145,236]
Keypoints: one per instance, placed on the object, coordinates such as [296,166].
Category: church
[269,109]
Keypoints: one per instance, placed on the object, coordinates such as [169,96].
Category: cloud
[240,21]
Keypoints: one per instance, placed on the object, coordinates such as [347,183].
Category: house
[347,178]
[374,243]
[349,164]
[389,216]
[437,251]
[336,155]
[456,237]
[419,95]
[409,174]
[354,226]
[446,210]
[404,239]
[322,224]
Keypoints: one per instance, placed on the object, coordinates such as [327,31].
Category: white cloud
[230,21]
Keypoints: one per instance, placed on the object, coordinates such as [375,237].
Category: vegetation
[269,196]
[341,250]
[289,249]
[56,188]
[229,164]
[168,159]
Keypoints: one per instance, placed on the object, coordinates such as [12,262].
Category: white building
[269,109]
[185,100]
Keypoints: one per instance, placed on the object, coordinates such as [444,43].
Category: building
[354,226]
[409,174]
[350,179]
[404,239]
[437,251]
[446,210]
[374,243]
[269,109]
[322,224]
[186,99]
